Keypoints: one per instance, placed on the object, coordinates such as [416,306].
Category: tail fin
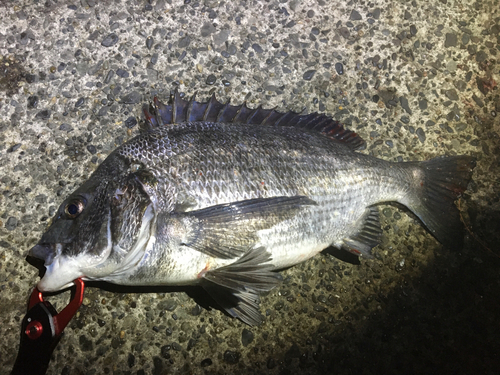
[439,184]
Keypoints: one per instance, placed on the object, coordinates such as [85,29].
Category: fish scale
[223,144]
[224,196]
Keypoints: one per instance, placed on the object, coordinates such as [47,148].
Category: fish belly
[298,239]
[212,164]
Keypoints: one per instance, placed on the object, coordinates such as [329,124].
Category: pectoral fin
[229,230]
[236,287]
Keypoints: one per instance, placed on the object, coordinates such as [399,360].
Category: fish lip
[59,270]
[60,274]
[46,252]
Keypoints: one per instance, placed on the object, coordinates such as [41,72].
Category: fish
[226,196]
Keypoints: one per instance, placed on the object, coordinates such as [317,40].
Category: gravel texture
[416,79]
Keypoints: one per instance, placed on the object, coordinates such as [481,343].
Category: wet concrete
[415,79]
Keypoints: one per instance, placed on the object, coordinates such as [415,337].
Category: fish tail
[438,184]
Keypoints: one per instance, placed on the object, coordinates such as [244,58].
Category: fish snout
[43,251]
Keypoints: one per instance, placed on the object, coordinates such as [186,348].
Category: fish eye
[74,208]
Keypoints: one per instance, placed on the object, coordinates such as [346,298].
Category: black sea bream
[222,196]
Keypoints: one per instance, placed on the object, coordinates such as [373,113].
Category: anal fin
[367,235]
[236,287]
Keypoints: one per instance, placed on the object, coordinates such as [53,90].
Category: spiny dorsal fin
[191,102]
[159,114]
[179,109]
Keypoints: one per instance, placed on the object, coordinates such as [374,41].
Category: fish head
[101,228]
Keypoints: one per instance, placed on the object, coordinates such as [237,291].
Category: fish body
[223,196]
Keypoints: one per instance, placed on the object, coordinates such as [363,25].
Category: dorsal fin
[159,114]
[179,109]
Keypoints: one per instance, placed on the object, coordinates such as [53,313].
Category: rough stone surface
[451,40]
[420,79]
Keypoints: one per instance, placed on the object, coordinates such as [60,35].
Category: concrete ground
[415,79]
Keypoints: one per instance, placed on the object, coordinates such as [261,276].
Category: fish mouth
[45,252]
[60,271]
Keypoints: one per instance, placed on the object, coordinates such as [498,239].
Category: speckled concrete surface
[415,79]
